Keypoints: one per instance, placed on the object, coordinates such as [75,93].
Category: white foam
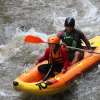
[8,93]
[90,10]
[3,93]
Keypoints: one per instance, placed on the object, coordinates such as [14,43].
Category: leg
[57,67]
[43,69]
[46,69]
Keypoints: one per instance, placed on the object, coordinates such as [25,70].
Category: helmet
[70,21]
[54,39]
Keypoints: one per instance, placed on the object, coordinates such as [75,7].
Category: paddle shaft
[82,49]
[70,47]
[47,75]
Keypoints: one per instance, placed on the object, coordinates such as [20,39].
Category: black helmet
[70,22]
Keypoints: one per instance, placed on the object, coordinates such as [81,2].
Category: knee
[40,69]
[77,53]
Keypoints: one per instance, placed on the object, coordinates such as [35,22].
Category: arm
[66,61]
[45,56]
[86,41]
[59,34]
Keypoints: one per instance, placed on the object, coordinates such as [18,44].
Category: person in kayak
[56,56]
[73,37]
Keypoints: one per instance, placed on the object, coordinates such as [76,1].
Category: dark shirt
[76,35]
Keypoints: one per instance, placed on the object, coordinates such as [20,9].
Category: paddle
[36,39]
[90,51]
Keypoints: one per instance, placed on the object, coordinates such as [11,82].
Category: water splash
[8,93]
[91,10]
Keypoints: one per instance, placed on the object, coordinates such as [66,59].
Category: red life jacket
[56,57]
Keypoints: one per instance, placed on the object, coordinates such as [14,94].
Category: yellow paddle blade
[95,42]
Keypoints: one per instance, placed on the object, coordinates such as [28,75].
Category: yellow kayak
[30,81]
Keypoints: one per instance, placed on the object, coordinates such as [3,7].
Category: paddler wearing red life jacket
[73,37]
[56,56]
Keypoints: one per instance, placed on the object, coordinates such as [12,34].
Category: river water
[44,16]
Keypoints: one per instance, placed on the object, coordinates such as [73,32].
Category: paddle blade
[95,41]
[33,39]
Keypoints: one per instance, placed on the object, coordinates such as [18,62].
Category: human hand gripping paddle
[36,39]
